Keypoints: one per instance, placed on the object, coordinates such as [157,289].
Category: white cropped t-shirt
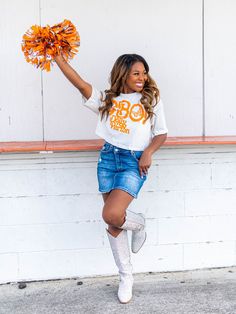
[125,126]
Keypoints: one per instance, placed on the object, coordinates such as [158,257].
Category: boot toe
[125,295]
[125,289]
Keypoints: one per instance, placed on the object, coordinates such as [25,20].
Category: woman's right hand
[59,58]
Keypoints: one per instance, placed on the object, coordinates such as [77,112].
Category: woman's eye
[142,74]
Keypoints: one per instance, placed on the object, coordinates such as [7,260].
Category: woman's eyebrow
[139,71]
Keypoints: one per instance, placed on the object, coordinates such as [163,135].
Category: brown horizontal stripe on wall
[96,144]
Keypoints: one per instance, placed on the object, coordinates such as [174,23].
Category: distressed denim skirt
[118,169]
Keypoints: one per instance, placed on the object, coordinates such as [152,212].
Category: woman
[132,123]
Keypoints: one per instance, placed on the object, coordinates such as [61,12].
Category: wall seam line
[203,71]
[41,79]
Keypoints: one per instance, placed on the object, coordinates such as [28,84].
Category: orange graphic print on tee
[123,110]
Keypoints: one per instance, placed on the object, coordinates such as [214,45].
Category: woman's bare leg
[113,230]
[114,211]
[116,203]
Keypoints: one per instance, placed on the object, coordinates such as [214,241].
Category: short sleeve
[94,101]
[159,121]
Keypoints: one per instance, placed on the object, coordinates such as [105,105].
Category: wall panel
[20,97]
[167,33]
[220,67]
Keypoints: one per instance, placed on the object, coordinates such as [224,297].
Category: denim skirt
[118,169]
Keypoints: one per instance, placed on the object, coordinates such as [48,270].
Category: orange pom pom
[41,44]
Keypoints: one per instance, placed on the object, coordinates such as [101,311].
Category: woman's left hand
[145,163]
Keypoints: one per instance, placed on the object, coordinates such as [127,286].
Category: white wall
[109,29]
[220,70]
[50,210]
[20,96]
[168,33]
[51,224]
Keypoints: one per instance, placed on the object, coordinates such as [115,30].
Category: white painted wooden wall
[168,33]
[50,209]
[220,69]
[51,224]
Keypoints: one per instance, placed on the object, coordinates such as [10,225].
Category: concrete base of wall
[51,225]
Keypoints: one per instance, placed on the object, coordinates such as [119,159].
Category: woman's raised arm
[84,87]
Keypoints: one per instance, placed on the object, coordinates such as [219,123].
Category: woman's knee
[112,217]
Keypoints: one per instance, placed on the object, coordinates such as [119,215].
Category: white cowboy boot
[120,250]
[136,223]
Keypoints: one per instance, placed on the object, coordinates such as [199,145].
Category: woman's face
[136,78]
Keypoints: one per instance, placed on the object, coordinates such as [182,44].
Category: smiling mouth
[139,85]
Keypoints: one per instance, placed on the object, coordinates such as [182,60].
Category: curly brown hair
[118,77]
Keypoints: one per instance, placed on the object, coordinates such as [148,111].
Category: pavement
[188,292]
